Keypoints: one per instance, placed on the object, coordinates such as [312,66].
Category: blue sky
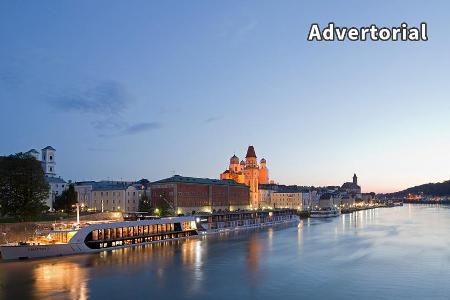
[125,90]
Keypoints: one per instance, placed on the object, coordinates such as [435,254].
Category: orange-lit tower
[263,172]
[234,171]
[251,173]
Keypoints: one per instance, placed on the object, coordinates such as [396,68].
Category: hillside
[431,189]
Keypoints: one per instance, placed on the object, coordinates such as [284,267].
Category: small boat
[325,212]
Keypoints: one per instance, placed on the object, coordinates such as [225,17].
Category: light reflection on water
[389,253]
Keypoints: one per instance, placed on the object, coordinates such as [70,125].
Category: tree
[67,200]
[23,188]
[162,205]
[144,203]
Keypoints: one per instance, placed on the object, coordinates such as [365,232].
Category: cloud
[238,30]
[106,98]
[141,127]
[132,129]
[213,119]
[110,123]
[246,29]
[108,101]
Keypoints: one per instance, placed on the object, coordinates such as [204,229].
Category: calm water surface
[387,253]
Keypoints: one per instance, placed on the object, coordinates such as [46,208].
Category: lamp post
[78,213]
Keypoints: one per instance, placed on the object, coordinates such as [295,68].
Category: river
[384,253]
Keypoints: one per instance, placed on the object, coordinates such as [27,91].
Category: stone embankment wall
[16,232]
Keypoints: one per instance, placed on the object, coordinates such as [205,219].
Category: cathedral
[249,173]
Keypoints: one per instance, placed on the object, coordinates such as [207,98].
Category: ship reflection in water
[388,253]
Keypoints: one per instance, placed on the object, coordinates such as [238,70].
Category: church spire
[250,152]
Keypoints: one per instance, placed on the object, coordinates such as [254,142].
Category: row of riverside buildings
[244,185]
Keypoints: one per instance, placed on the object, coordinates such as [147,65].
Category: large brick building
[187,194]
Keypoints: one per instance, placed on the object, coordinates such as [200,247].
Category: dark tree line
[23,188]
[67,200]
[431,189]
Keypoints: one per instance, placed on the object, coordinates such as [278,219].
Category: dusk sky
[146,89]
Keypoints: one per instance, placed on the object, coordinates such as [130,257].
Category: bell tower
[355,179]
[263,172]
[251,173]
[48,161]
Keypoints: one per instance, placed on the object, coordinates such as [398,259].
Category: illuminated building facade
[185,195]
[120,196]
[249,173]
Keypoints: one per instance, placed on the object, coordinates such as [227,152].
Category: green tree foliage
[23,188]
[67,200]
[162,205]
[145,204]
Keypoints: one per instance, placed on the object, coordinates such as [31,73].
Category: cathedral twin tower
[249,173]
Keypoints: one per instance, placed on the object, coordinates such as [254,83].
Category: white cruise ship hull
[9,252]
[293,220]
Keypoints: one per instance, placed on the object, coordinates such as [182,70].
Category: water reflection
[402,249]
[66,279]
[192,254]
[253,257]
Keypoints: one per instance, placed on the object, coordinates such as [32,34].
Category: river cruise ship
[226,221]
[103,236]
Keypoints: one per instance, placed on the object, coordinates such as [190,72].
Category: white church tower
[48,161]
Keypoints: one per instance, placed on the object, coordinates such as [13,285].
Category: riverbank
[358,208]
[427,202]
[304,214]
